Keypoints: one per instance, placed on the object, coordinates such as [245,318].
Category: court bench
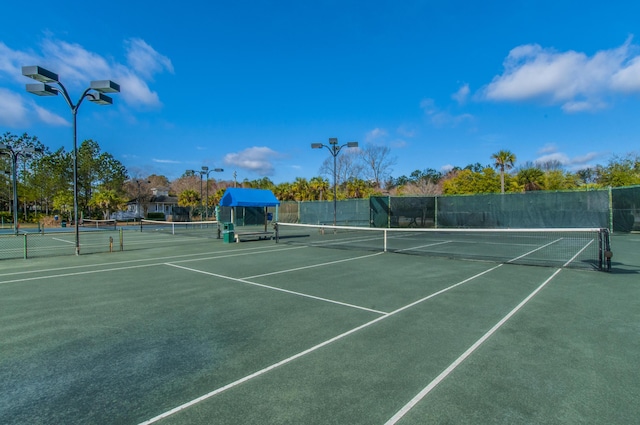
[253,235]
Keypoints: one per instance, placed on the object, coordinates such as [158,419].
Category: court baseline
[312,349]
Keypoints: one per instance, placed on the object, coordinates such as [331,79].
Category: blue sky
[248,85]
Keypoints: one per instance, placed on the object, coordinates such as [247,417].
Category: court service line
[307,351]
[62,240]
[235,279]
[534,250]
[411,404]
[314,265]
[211,256]
[108,269]
[423,246]
[578,253]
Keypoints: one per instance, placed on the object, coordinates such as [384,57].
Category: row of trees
[45,179]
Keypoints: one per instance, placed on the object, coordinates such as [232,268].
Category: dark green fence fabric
[616,209]
[626,209]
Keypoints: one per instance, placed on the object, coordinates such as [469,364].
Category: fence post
[25,246]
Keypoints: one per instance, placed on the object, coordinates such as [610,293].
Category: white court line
[62,240]
[534,250]
[305,352]
[26,279]
[578,253]
[235,279]
[312,266]
[161,259]
[395,418]
[422,246]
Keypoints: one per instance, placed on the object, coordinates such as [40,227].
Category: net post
[277,229]
[121,240]
[385,240]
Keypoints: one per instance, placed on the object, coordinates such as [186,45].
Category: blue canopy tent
[240,197]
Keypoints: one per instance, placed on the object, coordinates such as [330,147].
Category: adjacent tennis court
[188,330]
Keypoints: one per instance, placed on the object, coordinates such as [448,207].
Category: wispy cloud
[375,134]
[258,159]
[462,94]
[12,110]
[76,67]
[144,60]
[551,154]
[575,81]
[166,161]
[443,118]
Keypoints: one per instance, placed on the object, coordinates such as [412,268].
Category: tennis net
[187,228]
[99,224]
[575,248]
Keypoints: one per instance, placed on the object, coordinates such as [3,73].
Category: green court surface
[197,331]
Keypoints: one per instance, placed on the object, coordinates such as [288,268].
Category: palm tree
[503,160]
[531,178]
[189,198]
[301,189]
[318,187]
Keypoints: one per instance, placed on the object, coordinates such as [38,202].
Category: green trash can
[63,224]
[228,235]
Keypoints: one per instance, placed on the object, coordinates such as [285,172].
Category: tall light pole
[193,173]
[14,154]
[206,171]
[334,149]
[95,93]
[138,181]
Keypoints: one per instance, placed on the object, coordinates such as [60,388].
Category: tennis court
[196,331]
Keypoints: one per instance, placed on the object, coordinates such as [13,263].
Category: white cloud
[406,132]
[135,91]
[258,159]
[166,161]
[399,143]
[145,60]
[77,66]
[574,80]
[12,110]
[375,134]
[548,148]
[462,94]
[49,117]
[627,79]
[572,163]
[553,157]
[446,168]
[74,64]
[441,118]
[585,159]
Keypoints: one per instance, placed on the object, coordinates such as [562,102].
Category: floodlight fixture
[42,89]
[100,99]
[39,73]
[333,140]
[105,86]
[352,144]
[316,145]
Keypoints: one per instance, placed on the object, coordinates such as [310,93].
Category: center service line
[310,350]
[465,355]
